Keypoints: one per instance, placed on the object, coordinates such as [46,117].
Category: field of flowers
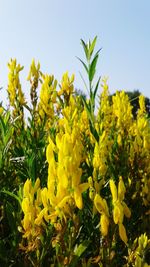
[74,174]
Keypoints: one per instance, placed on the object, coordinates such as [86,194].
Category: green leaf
[97,53]
[10,216]
[78,253]
[74,261]
[32,168]
[81,248]
[87,107]
[83,81]
[93,68]
[85,49]
[92,46]
[96,87]
[3,127]
[94,132]
[84,65]
[11,194]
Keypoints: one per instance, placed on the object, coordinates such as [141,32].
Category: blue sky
[50,31]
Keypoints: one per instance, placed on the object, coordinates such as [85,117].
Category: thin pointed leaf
[85,49]
[83,81]
[87,107]
[10,216]
[94,132]
[84,65]
[3,126]
[92,46]
[12,195]
[81,248]
[98,51]
[92,98]
[96,87]
[93,68]
[7,117]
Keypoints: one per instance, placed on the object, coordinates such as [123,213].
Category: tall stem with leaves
[90,68]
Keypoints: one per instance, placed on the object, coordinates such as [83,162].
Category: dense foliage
[75,179]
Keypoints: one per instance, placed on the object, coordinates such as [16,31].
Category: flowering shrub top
[82,175]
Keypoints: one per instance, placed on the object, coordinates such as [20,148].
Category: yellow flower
[25,205]
[142,109]
[34,70]
[14,87]
[31,206]
[39,218]
[48,95]
[121,189]
[104,224]
[118,213]
[122,110]
[66,86]
[101,204]
[26,221]
[27,188]
[78,190]
[113,190]
[44,197]
[36,185]
[126,210]
[122,233]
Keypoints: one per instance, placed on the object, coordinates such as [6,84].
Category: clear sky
[50,31]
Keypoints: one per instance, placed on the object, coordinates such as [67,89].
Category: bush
[75,179]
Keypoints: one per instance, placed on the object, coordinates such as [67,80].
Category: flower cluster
[98,168]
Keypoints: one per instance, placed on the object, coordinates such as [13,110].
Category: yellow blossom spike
[14,87]
[142,104]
